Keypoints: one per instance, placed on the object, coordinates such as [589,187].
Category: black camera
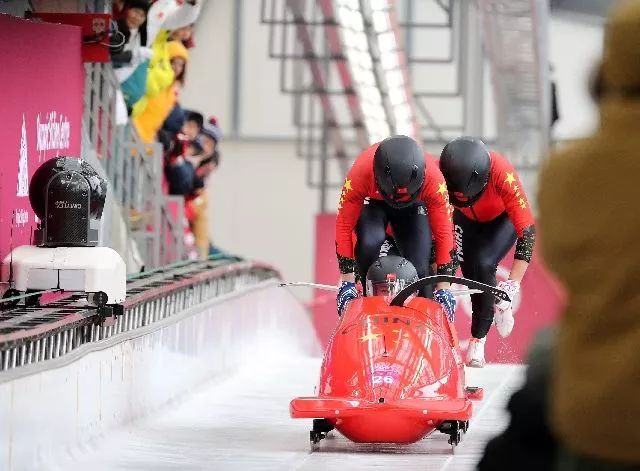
[68,196]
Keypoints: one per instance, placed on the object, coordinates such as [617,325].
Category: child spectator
[181,171]
[193,122]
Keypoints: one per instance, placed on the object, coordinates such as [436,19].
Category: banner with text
[42,81]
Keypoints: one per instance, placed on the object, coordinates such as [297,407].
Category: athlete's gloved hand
[346,293]
[512,288]
[448,301]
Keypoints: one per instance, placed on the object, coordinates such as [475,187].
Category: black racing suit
[480,247]
[411,231]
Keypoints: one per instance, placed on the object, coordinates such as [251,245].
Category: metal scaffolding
[305,35]
[508,36]
[516,35]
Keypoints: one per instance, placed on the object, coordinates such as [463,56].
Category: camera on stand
[68,196]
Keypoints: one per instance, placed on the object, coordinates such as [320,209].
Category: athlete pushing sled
[394,184]
[491,215]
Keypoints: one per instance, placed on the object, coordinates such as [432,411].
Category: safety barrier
[180,329]
[33,334]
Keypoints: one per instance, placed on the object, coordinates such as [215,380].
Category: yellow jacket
[151,111]
[590,227]
[149,121]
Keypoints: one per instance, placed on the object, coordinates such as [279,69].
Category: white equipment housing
[84,269]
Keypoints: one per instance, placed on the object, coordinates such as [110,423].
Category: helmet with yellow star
[465,164]
[389,275]
[398,168]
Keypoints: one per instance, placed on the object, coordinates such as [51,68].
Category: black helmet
[389,275]
[465,163]
[398,167]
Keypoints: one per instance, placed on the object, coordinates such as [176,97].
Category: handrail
[39,334]
[134,171]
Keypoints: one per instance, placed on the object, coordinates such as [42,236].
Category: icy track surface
[242,423]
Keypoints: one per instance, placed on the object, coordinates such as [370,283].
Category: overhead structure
[370,38]
[348,75]
[516,34]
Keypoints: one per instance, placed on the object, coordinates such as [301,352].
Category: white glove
[512,288]
[144,53]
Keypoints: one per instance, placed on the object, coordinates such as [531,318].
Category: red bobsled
[392,372]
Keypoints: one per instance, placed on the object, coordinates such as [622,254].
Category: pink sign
[42,79]
[537,307]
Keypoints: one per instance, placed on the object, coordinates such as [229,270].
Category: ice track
[242,423]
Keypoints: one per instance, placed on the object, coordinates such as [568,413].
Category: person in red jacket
[491,215]
[394,183]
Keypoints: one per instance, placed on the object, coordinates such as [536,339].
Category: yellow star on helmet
[442,188]
[510,178]
[369,336]
[347,185]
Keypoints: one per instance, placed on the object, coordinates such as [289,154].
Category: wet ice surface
[242,423]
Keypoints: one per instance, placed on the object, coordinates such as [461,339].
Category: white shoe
[504,320]
[475,353]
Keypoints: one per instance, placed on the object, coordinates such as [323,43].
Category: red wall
[539,304]
[41,90]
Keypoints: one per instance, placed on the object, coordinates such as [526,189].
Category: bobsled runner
[392,371]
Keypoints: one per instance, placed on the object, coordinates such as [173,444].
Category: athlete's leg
[370,233]
[413,238]
[484,245]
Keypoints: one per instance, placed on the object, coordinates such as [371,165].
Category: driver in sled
[394,184]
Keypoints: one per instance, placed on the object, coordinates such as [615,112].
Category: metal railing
[151,297]
[134,170]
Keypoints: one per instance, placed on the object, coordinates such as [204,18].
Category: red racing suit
[504,192]
[360,184]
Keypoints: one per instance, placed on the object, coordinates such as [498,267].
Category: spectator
[184,35]
[133,28]
[131,61]
[177,142]
[150,113]
[196,205]
[527,443]
[589,234]
[181,171]
[175,121]
[193,122]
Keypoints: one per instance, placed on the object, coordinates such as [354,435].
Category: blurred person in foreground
[578,408]
[590,224]
[491,215]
